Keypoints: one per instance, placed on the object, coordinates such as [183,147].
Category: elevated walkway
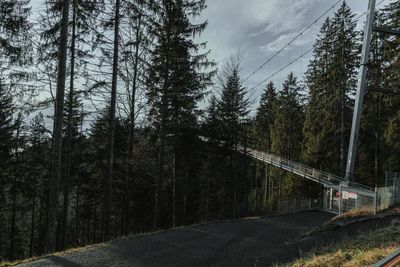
[339,194]
[326,179]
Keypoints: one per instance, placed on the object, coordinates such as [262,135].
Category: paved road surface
[246,242]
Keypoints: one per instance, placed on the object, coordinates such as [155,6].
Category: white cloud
[307,38]
[278,15]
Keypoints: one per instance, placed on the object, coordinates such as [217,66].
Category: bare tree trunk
[76,237]
[130,177]
[207,197]
[377,140]
[57,134]
[67,178]
[234,176]
[11,255]
[41,228]
[111,137]
[14,193]
[266,181]
[173,190]
[94,239]
[160,171]
[342,133]
[185,190]
[32,224]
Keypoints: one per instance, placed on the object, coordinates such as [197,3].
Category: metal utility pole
[358,105]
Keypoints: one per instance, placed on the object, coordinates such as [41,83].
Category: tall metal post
[358,105]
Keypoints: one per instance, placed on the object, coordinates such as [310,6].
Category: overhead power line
[292,40]
[299,57]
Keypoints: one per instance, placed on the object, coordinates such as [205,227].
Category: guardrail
[390,261]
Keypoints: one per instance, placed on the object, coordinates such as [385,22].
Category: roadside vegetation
[361,250]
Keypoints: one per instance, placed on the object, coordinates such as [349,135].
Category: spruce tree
[331,80]
[233,109]
[7,128]
[345,48]
[287,133]
[14,43]
[177,78]
[316,147]
[264,118]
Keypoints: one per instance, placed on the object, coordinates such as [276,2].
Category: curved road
[245,242]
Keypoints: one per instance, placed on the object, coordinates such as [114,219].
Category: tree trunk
[76,237]
[109,177]
[11,255]
[207,197]
[32,224]
[57,134]
[173,190]
[265,189]
[67,177]
[41,228]
[164,109]
[130,177]
[14,194]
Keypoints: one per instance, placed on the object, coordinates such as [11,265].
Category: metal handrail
[313,174]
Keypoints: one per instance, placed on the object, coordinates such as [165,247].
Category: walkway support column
[358,105]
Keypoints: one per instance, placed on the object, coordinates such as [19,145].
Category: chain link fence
[341,199]
[291,206]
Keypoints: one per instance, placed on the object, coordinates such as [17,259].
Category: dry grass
[362,251]
[71,250]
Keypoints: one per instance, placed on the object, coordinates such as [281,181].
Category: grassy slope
[363,250]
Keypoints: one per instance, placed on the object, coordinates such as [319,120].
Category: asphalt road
[245,242]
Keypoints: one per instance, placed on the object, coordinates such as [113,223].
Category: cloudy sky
[258,28]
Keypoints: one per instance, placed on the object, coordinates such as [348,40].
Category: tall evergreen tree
[177,77]
[14,43]
[6,137]
[233,109]
[57,133]
[331,80]
[287,133]
[264,118]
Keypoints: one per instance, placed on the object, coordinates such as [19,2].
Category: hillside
[354,239]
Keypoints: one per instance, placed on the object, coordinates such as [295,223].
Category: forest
[133,162]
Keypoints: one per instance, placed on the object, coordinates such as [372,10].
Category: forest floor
[261,241]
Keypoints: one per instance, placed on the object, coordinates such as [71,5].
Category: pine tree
[233,109]
[7,127]
[261,133]
[331,80]
[176,81]
[345,56]
[14,43]
[287,133]
[316,147]
[36,156]
[57,133]
[14,27]
[264,118]
[391,80]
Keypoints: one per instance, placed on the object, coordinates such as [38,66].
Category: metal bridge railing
[341,196]
[294,167]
